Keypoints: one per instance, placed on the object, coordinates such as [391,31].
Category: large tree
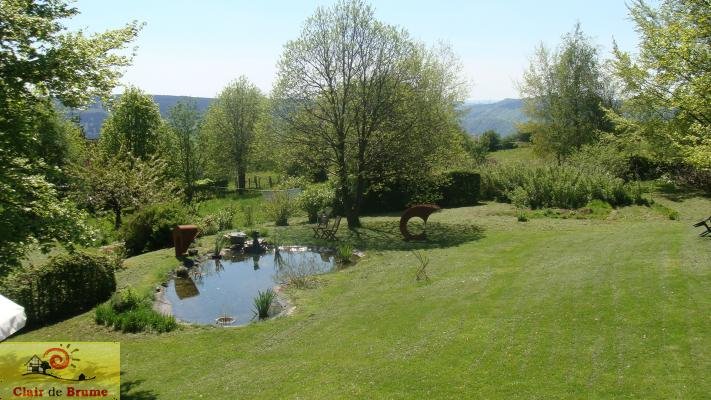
[122,182]
[133,125]
[364,101]
[565,95]
[40,61]
[667,87]
[231,127]
[181,144]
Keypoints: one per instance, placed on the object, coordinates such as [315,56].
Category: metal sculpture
[422,211]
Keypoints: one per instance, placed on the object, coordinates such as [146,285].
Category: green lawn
[520,154]
[551,308]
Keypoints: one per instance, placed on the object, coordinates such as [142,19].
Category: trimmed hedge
[449,189]
[67,285]
[460,189]
[152,227]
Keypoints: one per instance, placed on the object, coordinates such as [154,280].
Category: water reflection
[227,287]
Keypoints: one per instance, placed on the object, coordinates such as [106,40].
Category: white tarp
[12,317]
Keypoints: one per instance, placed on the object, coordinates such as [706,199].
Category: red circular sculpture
[421,210]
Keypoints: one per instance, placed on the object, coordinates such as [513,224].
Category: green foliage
[562,186]
[314,198]
[491,140]
[602,157]
[151,228]
[564,92]
[666,87]
[119,183]
[460,188]
[41,61]
[263,302]
[128,312]
[231,129]
[279,207]
[384,110]
[132,126]
[181,145]
[66,285]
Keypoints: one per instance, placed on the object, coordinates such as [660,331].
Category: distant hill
[93,117]
[501,116]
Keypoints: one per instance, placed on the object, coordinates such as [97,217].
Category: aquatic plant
[344,252]
[262,303]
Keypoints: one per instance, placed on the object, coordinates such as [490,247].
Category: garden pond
[226,288]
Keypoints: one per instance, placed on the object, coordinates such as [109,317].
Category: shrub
[279,208]
[225,218]
[128,312]
[562,186]
[460,188]
[263,302]
[151,228]
[208,225]
[66,285]
[315,198]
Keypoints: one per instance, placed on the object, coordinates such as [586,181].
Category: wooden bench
[705,223]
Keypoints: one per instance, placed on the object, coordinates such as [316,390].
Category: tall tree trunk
[117,216]
[241,178]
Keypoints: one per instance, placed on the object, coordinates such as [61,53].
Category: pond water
[227,287]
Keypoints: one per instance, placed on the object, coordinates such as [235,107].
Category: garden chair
[322,224]
[706,223]
[329,232]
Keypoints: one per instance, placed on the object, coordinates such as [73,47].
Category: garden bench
[328,231]
[705,223]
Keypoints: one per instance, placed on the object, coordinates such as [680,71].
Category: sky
[194,48]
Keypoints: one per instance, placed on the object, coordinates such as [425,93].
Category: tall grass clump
[344,252]
[558,186]
[248,211]
[299,274]
[262,303]
[423,261]
[129,312]
[219,244]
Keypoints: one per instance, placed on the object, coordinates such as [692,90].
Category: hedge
[67,285]
[460,188]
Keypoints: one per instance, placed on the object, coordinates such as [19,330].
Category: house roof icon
[34,360]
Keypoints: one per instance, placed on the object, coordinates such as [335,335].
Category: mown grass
[519,154]
[551,308]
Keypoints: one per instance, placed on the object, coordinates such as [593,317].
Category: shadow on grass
[680,193]
[385,235]
[130,391]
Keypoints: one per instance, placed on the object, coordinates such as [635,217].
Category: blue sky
[194,48]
